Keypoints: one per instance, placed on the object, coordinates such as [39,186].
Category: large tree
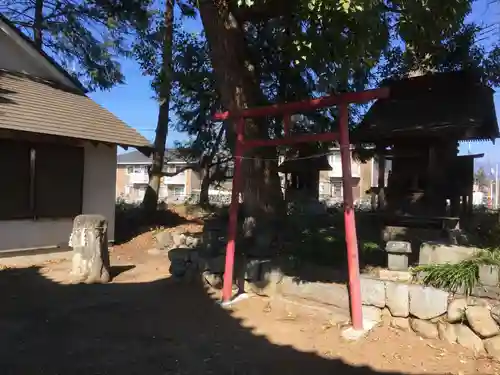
[86,37]
[271,50]
[154,51]
[195,100]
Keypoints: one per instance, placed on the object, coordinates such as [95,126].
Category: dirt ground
[145,323]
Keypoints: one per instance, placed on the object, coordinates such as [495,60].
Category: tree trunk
[151,197]
[239,86]
[205,186]
[38,25]
[381,178]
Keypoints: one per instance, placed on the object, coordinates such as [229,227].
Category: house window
[229,172]
[334,158]
[337,189]
[136,169]
[141,192]
[41,180]
[175,190]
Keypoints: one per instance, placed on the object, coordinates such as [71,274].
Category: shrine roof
[452,104]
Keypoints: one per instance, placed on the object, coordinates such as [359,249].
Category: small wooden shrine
[419,128]
[301,168]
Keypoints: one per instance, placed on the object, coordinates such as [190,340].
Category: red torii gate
[286,110]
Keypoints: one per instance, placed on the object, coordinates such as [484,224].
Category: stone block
[489,275]
[447,332]
[179,240]
[372,292]
[179,254]
[484,291]
[397,262]
[253,269]
[397,255]
[333,294]
[427,302]
[371,314]
[194,258]
[192,242]
[398,299]
[481,321]
[424,328]
[398,247]
[178,267]
[400,323]
[213,280]
[440,253]
[392,275]
[270,281]
[495,313]
[89,240]
[468,339]
[164,240]
[456,310]
[492,346]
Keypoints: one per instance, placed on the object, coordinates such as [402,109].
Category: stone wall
[472,322]
[432,313]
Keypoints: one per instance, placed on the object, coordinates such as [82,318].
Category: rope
[288,159]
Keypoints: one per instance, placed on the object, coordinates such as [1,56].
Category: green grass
[460,277]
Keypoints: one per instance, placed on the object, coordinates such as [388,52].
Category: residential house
[364,177]
[132,177]
[57,148]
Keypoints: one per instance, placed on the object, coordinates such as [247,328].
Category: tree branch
[196,167]
[193,166]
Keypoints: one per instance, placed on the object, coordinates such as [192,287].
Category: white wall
[98,198]
[99,184]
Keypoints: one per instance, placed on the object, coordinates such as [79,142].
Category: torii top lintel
[307,105]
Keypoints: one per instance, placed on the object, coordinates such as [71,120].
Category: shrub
[459,277]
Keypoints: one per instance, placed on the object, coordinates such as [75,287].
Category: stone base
[89,240]
[397,262]
[391,275]
[443,252]
[352,334]
[489,275]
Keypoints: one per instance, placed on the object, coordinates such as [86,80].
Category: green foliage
[462,276]
[85,37]
[195,98]
[318,47]
[455,52]
[320,239]
[459,277]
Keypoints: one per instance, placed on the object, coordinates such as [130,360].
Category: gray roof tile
[36,105]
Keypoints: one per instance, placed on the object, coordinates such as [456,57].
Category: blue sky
[133,103]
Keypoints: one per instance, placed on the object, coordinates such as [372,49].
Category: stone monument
[89,240]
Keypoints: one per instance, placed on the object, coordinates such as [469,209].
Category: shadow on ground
[309,248]
[149,328]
